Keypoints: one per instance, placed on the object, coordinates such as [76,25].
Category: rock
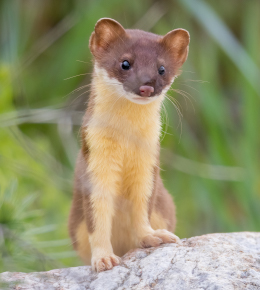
[214,261]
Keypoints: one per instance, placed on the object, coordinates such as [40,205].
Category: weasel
[119,201]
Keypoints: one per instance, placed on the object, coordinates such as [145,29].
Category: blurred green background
[210,160]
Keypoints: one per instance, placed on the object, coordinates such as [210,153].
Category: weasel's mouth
[142,98]
[148,95]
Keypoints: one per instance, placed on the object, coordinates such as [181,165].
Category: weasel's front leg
[140,194]
[104,165]
[103,257]
[146,236]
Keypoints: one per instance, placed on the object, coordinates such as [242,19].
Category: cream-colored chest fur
[122,138]
[121,134]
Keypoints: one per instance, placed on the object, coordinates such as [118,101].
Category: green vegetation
[210,160]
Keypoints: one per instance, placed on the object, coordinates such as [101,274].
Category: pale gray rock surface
[214,261]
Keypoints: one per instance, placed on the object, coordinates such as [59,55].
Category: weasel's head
[139,65]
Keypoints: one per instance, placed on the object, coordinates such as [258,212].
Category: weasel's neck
[113,112]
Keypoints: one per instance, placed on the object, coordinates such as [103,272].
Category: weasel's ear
[177,42]
[106,31]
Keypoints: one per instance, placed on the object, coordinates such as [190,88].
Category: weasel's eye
[125,65]
[161,70]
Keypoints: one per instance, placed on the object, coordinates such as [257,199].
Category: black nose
[146,91]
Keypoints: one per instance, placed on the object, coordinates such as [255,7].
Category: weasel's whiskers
[165,121]
[77,89]
[74,100]
[196,81]
[176,102]
[179,114]
[186,96]
[191,88]
[78,76]
[82,61]
[87,91]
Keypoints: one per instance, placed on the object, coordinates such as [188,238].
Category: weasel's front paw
[104,263]
[159,237]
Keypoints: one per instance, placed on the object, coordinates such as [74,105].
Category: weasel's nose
[146,91]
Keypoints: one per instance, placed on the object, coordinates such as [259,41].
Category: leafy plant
[17,233]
